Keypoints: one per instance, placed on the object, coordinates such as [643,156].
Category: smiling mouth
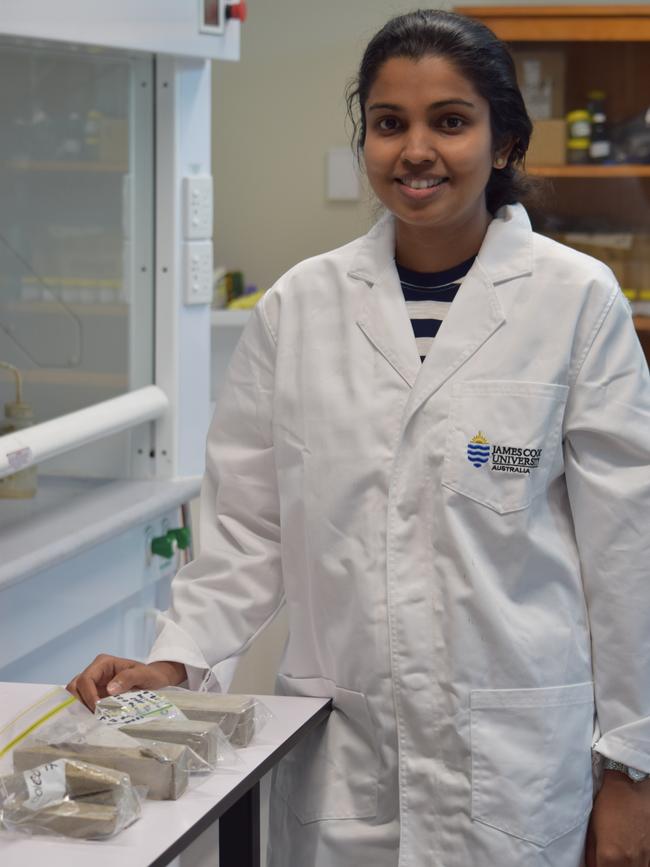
[421,183]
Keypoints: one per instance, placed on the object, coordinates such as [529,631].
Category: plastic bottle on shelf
[19,415]
[578,151]
[92,133]
[578,136]
[600,146]
[596,102]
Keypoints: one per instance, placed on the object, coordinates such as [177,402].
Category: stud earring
[499,163]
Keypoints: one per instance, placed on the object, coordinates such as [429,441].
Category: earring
[499,163]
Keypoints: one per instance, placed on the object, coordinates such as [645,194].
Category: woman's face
[428,147]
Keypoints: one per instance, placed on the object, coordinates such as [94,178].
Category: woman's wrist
[173,672]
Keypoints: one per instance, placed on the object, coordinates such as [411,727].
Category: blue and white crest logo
[478,450]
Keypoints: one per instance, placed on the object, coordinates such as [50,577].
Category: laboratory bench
[167,828]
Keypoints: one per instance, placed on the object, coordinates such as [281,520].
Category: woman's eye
[388,124]
[452,122]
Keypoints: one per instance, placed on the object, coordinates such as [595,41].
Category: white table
[168,827]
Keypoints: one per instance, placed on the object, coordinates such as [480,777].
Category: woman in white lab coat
[461,541]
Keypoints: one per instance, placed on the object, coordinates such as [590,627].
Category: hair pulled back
[480,57]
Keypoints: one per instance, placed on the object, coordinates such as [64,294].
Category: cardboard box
[548,143]
[546,99]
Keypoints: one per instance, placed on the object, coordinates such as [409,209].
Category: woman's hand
[619,830]
[111,675]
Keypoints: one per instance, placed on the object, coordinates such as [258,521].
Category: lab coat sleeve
[607,466]
[225,597]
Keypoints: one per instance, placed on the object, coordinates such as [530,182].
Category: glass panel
[76,224]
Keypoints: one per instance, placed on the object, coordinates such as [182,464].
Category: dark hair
[482,58]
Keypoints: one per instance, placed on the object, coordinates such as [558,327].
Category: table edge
[244,785]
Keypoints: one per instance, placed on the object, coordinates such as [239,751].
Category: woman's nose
[418,146]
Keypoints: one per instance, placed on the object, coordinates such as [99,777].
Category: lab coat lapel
[476,313]
[384,319]
[473,318]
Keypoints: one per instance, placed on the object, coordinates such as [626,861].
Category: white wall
[276,113]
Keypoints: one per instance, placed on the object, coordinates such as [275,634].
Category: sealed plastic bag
[59,727]
[154,719]
[240,717]
[68,798]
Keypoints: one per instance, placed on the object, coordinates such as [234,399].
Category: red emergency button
[238,11]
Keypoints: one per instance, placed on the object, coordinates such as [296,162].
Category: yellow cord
[35,725]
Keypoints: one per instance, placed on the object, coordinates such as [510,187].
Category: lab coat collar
[506,252]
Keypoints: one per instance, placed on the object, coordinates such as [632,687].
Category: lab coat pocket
[333,772]
[531,760]
[503,439]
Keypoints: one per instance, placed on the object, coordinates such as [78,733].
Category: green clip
[182,537]
[163,546]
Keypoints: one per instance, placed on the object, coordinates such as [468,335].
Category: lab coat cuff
[173,644]
[616,748]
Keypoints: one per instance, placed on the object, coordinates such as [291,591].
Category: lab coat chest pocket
[502,441]
[333,772]
[531,760]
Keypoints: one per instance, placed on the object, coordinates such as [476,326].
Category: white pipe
[42,441]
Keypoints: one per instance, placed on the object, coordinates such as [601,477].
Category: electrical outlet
[198,272]
[197,207]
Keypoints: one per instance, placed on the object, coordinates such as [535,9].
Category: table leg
[239,832]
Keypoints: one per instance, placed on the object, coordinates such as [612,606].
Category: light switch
[342,177]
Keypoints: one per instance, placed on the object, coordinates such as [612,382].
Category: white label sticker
[133,707]
[45,784]
[20,458]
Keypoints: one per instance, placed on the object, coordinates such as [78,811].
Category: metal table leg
[239,832]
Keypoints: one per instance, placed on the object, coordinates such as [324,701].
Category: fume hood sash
[173,27]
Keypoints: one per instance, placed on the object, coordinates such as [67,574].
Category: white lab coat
[462,617]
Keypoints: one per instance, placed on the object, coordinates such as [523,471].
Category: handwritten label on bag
[45,784]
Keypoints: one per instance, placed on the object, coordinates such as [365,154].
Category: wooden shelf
[588,23]
[642,323]
[66,166]
[627,170]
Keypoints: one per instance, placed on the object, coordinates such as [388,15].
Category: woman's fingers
[111,675]
[91,684]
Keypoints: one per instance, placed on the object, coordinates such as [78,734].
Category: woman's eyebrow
[389,106]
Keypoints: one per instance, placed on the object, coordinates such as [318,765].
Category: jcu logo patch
[504,459]
[478,450]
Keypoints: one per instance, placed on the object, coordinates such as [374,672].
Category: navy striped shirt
[428,299]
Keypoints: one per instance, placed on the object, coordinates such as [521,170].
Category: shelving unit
[66,166]
[587,171]
[614,23]
[606,48]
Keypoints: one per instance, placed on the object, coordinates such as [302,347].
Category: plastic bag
[152,718]
[58,727]
[631,139]
[240,717]
[68,798]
